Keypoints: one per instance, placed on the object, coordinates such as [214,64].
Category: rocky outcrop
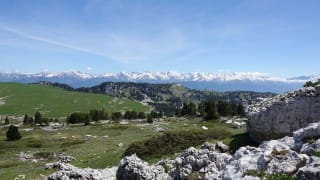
[282,156]
[132,167]
[211,161]
[70,172]
[272,118]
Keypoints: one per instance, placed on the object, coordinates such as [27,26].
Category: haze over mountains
[247,81]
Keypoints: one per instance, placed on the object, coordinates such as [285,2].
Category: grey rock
[132,167]
[246,158]
[221,147]
[286,162]
[276,117]
[311,171]
[69,172]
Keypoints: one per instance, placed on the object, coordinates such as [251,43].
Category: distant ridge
[246,81]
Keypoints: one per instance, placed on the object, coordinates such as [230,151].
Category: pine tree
[26,120]
[210,109]
[37,118]
[13,133]
[6,120]
[149,119]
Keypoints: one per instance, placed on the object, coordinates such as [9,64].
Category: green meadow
[18,99]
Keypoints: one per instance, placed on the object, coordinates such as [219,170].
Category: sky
[281,38]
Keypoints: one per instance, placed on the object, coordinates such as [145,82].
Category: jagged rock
[69,172]
[275,156]
[310,147]
[311,171]
[222,147]
[66,158]
[206,160]
[286,162]
[246,158]
[132,167]
[276,117]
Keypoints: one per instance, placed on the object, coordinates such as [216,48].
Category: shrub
[280,176]
[79,118]
[6,120]
[255,172]
[317,154]
[149,119]
[172,142]
[13,133]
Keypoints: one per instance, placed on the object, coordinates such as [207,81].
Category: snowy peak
[223,81]
[164,76]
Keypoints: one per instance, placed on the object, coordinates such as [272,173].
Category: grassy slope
[55,102]
[98,152]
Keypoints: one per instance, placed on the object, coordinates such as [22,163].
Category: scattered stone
[66,158]
[25,156]
[158,129]
[204,128]
[20,176]
[212,162]
[120,144]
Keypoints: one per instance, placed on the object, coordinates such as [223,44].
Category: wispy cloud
[48,41]
[120,47]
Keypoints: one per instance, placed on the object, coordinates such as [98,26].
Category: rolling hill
[168,97]
[18,99]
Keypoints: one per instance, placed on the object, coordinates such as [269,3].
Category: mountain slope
[168,97]
[17,99]
[247,81]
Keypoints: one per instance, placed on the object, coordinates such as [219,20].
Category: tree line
[96,115]
[37,119]
[211,109]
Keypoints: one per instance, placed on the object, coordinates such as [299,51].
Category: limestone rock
[69,172]
[311,171]
[132,167]
[211,161]
[276,117]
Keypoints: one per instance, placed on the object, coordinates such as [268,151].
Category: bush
[317,154]
[13,133]
[79,118]
[172,142]
[149,119]
[280,176]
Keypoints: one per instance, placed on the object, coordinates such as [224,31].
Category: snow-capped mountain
[249,81]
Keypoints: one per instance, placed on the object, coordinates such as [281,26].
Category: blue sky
[97,36]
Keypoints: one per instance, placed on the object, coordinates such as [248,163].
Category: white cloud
[119,46]
[89,68]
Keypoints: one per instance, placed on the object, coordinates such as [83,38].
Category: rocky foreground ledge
[291,155]
[273,118]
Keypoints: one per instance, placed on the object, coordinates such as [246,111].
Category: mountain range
[233,81]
